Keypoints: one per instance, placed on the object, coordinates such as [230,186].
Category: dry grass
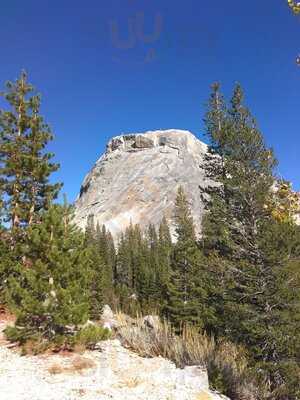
[81,363]
[188,349]
[130,383]
[55,369]
[79,348]
[34,347]
[78,364]
[225,362]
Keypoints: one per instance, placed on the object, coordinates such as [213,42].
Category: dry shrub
[78,364]
[226,363]
[81,363]
[32,347]
[55,369]
[29,348]
[130,383]
[79,348]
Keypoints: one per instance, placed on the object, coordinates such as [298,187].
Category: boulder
[195,377]
[115,144]
[143,142]
[108,319]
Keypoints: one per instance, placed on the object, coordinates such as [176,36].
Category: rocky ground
[111,372]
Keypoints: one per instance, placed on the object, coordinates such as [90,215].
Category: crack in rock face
[137,178]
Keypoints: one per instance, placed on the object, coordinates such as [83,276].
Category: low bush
[34,343]
[30,342]
[91,335]
[226,363]
[13,334]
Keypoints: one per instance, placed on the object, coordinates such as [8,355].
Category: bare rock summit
[136,180]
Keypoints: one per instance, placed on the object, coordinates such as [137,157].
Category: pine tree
[25,167]
[153,246]
[53,291]
[164,251]
[6,263]
[152,260]
[106,250]
[96,266]
[137,269]
[240,232]
[182,302]
[123,263]
[146,267]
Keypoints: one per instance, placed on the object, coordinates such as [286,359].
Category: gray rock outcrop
[137,178]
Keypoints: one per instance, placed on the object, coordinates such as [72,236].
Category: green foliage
[239,281]
[106,249]
[91,335]
[138,273]
[102,254]
[52,291]
[13,334]
[6,263]
[256,298]
[25,167]
[185,289]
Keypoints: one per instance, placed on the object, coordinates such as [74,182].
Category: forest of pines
[237,281]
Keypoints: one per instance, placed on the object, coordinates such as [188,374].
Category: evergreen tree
[137,270]
[106,249]
[6,255]
[240,232]
[182,301]
[123,263]
[152,259]
[164,251]
[54,289]
[6,263]
[97,268]
[25,167]
[153,247]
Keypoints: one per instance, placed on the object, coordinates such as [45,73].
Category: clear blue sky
[96,84]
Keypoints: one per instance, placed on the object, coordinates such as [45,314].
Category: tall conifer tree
[97,266]
[182,305]
[25,166]
[242,235]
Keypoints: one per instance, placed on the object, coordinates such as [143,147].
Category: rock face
[137,178]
